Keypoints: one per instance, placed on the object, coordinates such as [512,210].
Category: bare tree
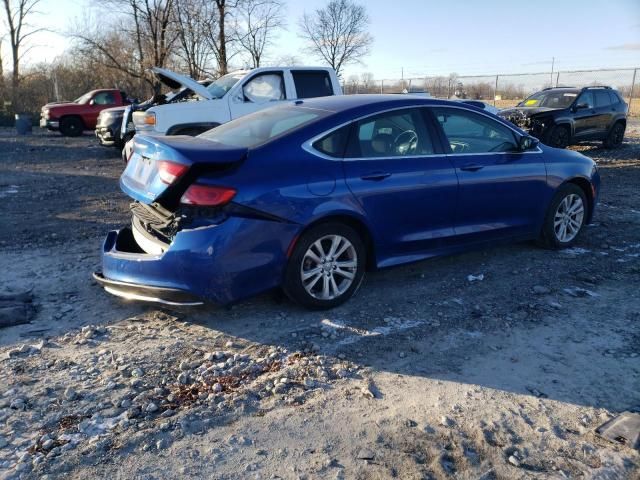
[19,30]
[190,23]
[258,20]
[367,82]
[2,87]
[144,38]
[337,33]
[220,31]
[351,85]
[287,61]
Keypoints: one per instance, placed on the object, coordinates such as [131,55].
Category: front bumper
[49,124]
[107,137]
[223,263]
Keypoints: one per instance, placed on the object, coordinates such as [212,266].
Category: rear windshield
[260,127]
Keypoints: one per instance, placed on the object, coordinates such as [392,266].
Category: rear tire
[326,267]
[559,137]
[565,217]
[71,127]
[616,136]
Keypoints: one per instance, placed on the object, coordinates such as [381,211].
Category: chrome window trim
[308,145]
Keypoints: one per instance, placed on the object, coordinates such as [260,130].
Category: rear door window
[470,132]
[335,143]
[310,84]
[614,98]
[602,99]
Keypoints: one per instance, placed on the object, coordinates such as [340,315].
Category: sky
[417,38]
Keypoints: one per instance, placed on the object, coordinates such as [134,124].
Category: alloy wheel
[568,218]
[329,267]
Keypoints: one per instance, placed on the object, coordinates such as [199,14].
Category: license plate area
[140,168]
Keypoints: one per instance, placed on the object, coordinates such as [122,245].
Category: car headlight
[144,121]
[149,118]
[45,113]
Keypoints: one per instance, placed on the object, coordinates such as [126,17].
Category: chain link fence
[504,90]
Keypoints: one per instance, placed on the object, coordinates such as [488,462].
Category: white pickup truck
[231,96]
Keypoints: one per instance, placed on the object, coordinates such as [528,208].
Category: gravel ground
[424,374]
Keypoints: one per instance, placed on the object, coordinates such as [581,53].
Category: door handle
[376,176]
[471,167]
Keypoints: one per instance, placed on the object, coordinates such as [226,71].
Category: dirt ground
[425,374]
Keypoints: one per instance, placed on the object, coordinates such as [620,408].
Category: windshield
[84,98]
[550,99]
[221,86]
[260,127]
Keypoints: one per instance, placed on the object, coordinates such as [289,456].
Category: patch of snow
[575,251]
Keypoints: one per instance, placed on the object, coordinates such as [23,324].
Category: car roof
[561,89]
[341,103]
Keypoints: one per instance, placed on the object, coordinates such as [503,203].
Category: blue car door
[405,187]
[502,191]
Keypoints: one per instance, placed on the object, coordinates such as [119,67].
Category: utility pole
[553,61]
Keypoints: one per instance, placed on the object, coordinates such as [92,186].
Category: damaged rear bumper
[147,293]
[222,263]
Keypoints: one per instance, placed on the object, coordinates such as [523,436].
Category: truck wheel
[71,127]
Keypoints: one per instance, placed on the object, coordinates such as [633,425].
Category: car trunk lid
[161,167]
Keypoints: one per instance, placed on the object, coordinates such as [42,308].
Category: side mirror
[238,98]
[92,102]
[527,142]
[582,106]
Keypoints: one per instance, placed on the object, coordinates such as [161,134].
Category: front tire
[326,267]
[565,217]
[71,127]
[559,137]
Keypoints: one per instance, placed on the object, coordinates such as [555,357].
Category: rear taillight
[207,195]
[169,172]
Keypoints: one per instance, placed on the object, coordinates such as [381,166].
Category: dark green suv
[564,116]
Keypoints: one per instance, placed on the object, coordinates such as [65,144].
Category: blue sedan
[309,196]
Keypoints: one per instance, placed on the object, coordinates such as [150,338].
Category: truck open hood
[174,80]
[53,105]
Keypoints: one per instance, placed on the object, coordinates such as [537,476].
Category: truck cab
[231,96]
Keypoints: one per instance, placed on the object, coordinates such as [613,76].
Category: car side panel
[565,166]
[502,198]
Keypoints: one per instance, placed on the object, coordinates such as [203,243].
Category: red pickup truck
[72,118]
